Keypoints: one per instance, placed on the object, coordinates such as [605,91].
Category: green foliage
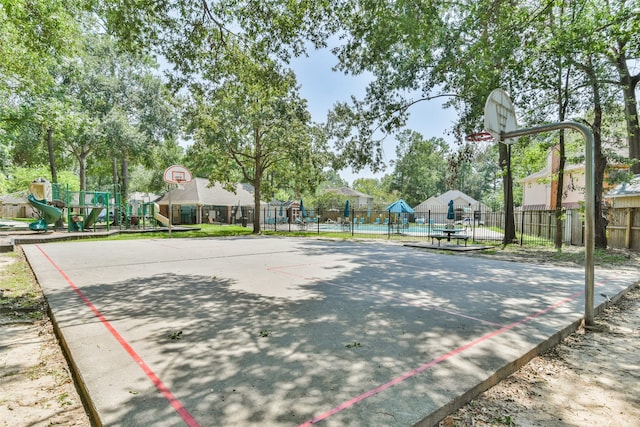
[420,168]
[378,188]
[22,177]
[4,184]
[34,34]
[253,127]
[329,201]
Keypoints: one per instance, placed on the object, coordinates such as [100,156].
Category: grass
[205,230]
[540,249]
[20,297]
[566,255]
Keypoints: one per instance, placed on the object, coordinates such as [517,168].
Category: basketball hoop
[479,137]
[177,174]
[500,116]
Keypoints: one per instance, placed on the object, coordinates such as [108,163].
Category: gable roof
[431,203]
[199,192]
[441,202]
[626,189]
[456,194]
[546,172]
[349,192]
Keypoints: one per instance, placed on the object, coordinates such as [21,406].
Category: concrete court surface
[288,331]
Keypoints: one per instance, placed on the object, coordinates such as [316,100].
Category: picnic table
[449,233]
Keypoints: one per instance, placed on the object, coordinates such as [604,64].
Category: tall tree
[619,24]
[420,169]
[34,35]
[132,111]
[465,49]
[251,123]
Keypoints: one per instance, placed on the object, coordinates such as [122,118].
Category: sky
[323,87]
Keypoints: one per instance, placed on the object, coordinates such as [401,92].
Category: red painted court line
[434,362]
[162,388]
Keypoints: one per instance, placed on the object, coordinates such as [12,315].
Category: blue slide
[48,214]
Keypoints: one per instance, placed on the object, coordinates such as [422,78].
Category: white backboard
[177,174]
[499,115]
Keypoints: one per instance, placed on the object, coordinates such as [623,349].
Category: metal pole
[589,220]
[170,211]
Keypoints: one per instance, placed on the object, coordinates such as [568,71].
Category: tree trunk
[124,175]
[629,84]
[52,158]
[257,178]
[559,191]
[54,171]
[563,103]
[114,174]
[600,161]
[82,160]
[507,188]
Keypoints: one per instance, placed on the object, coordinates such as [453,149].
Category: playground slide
[160,218]
[48,214]
[91,218]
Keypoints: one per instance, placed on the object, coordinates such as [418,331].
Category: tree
[420,169]
[465,49]
[619,24]
[34,35]
[419,52]
[378,189]
[251,124]
[128,106]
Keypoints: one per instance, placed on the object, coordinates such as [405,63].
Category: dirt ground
[590,379]
[586,380]
[36,385]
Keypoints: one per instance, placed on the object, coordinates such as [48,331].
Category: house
[197,202]
[283,212]
[440,204]
[464,206]
[357,199]
[538,190]
[16,206]
[625,195]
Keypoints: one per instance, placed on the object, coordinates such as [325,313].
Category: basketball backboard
[499,115]
[177,174]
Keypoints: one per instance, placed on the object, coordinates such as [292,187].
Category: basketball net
[479,137]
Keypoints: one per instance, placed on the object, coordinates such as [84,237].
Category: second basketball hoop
[177,174]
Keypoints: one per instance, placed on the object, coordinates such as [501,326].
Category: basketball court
[292,332]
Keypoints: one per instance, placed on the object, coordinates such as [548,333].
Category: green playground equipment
[41,190]
[83,207]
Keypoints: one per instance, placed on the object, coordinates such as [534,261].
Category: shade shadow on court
[283,331]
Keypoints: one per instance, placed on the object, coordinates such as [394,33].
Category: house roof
[546,172]
[431,202]
[456,194]
[442,201]
[139,196]
[626,189]
[199,192]
[349,192]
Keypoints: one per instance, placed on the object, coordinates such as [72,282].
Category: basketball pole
[170,209]
[589,220]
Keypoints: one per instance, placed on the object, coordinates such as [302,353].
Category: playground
[85,210]
[88,210]
[277,331]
